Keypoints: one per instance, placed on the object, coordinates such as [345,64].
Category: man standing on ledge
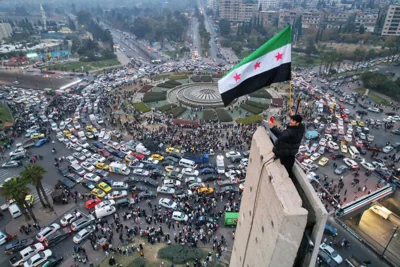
[288,141]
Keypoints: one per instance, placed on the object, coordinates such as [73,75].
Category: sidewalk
[94,256]
[44,217]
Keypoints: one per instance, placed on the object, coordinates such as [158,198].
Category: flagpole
[290,95]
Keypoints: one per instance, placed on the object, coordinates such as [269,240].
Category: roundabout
[197,95]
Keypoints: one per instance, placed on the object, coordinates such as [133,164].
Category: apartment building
[268,4]
[367,19]
[5,30]
[213,4]
[311,19]
[392,21]
[286,17]
[269,18]
[238,10]
[335,19]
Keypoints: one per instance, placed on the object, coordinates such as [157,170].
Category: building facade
[237,10]
[368,20]
[334,20]
[5,30]
[286,17]
[311,19]
[268,4]
[269,18]
[392,21]
[213,4]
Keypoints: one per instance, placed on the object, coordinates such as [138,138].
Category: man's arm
[281,135]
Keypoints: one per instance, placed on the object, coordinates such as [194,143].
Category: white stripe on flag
[267,62]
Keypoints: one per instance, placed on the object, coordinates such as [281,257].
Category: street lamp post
[393,235]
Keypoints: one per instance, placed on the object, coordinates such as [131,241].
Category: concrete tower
[43,18]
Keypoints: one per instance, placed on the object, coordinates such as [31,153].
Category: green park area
[375,97]
[5,116]
[87,66]
[299,60]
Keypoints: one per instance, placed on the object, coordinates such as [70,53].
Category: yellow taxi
[360,123]
[105,187]
[172,149]
[67,133]
[98,192]
[102,166]
[343,148]
[37,135]
[29,199]
[323,161]
[89,135]
[353,122]
[157,157]
[205,190]
[90,128]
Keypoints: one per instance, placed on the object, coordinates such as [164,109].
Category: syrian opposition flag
[270,63]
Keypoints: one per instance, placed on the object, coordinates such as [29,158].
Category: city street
[196,36]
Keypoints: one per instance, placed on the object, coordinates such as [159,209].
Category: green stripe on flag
[279,40]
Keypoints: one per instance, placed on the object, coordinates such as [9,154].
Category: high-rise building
[213,4]
[237,10]
[392,21]
[268,4]
[5,30]
[281,220]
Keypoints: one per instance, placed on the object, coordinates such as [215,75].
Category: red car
[103,152]
[91,203]
[137,155]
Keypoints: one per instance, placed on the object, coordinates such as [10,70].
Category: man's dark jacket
[289,140]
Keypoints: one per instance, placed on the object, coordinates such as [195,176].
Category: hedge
[208,115]
[138,262]
[250,119]
[179,254]
[251,109]
[257,104]
[261,94]
[173,82]
[178,77]
[206,79]
[142,107]
[177,111]
[217,75]
[223,115]
[145,88]
[166,85]
[154,96]
[166,107]
[196,78]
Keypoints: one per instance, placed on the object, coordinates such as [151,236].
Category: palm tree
[33,174]
[16,188]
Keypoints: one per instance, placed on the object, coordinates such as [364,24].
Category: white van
[382,211]
[353,151]
[14,211]
[187,163]
[105,211]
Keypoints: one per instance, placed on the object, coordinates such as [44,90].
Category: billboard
[62,53]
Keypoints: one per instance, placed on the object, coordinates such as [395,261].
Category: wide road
[196,36]
[34,80]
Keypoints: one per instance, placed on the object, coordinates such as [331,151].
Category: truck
[117,167]
[197,159]
[220,164]
[92,118]
[140,148]
[352,261]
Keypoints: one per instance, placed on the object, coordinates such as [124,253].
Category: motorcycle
[53,150]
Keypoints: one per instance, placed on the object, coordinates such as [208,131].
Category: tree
[361,30]
[224,27]
[16,189]
[33,174]
[310,48]
[237,47]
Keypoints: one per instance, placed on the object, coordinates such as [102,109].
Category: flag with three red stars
[270,63]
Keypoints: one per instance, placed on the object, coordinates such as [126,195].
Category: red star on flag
[257,65]
[237,77]
[279,56]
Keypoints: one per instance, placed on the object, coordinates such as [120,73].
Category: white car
[376,110]
[190,171]
[73,139]
[179,216]
[191,180]
[168,203]
[72,160]
[69,218]
[348,138]
[165,190]
[45,232]
[82,235]
[307,162]
[79,156]
[332,253]
[60,138]
[322,142]
[367,165]
[152,161]
[62,125]
[140,172]
[77,126]
[171,183]
[125,150]
[303,149]
[39,258]
[116,194]
[351,163]
[86,153]
[104,203]
[54,126]
[333,145]
[75,147]
[98,158]
[231,154]
[379,165]
[315,156]
[87,166]
[82,144]
[3,238]
[387,149]
[92,177]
